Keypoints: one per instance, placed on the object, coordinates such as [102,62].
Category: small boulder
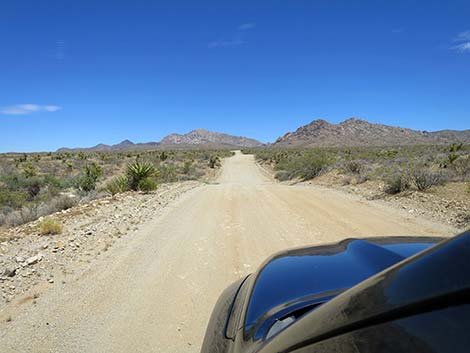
[9,272]
[33,259]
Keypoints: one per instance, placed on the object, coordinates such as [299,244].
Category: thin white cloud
[462,37]
[25,109]
[237,39]
[463,40]
[462,47]
[246,26]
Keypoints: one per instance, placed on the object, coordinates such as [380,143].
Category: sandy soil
[154,291]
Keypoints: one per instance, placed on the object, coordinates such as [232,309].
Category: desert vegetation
[398,168]
[34,185]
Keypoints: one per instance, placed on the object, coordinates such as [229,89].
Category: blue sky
[77,73]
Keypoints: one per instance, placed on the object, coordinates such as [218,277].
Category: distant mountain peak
[195,138]
[319,122]
[359,132]
[354,120]
[203,137]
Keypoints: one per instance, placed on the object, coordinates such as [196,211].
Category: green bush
[187,166]
[13,198]
[353,167]
[397,183]
[92,173]
[86,183]
[138,171]
[29,170]
[148,185]
[117,185]
[283,175]
[214,161]
[167,174]
[424,179]
[461,167]
[163,156]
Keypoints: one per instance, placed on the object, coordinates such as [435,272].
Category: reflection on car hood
[310,276]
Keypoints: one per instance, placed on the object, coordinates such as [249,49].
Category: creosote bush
[50,226]
[424,179]
[397,183]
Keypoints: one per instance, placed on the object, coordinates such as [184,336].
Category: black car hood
[302,278]
[436,278]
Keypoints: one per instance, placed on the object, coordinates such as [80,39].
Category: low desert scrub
[117,185]
[148,185]
[49,226]
[353,167]
[424,179]
[214,161]
[396,183]
[304,165]
[32,185]
[399,167]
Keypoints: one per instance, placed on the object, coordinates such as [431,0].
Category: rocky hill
[358,132]
[195,138]
[204,137]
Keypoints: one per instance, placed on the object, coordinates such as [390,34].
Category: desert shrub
[397,183]
[187,166]
[310,171]
[49,226]
[117,185]
[424,179]
[85,183]
[461,167]
[92,173]
[353,167]
[29,170]
[20,216]
[148,185]
[167,174]
[56,204]
[163,156]
[138,171]
[34,188]
[13,198]
[301,164]
[214,161]
[455,147]
[283,175]
[311,166]
[361,178]
[56,182]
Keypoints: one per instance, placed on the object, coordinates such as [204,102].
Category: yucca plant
[138,171]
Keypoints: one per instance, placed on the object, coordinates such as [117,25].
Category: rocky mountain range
[204,137]
[351,132]
[358,132]
[196,138]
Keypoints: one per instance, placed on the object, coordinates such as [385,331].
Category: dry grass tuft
[50,226]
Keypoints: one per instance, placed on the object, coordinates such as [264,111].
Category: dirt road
[154,292]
